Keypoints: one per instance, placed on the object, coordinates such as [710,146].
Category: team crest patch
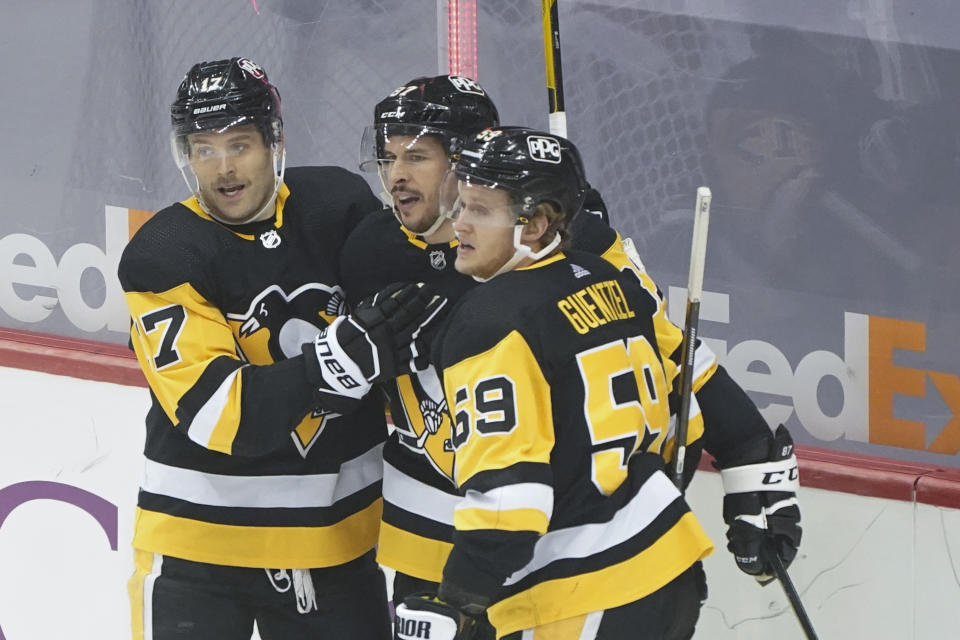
[438,260]
[270,239]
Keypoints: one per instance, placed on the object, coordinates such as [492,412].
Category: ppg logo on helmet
[466,85]
[544,149]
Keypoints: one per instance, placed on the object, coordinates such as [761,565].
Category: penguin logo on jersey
[424,424]
[275,326]
[270,239]
[277,323]
[310,428]
[438,260]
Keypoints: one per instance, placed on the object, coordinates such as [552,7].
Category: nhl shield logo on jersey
[438,260]
[270,239]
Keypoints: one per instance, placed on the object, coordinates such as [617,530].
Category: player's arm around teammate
[260,499]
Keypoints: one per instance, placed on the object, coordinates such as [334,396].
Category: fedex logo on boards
[866,372]
[33,283]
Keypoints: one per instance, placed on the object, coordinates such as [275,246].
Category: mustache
[228,183]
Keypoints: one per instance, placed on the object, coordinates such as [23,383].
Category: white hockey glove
[424,617]
[760,505]
[373,343]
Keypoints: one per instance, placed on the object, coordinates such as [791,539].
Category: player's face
[414,168]
[765,163]
[484,225]
[234,171]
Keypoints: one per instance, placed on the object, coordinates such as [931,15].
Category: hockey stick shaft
[688,348]
[781,573]
[551,55]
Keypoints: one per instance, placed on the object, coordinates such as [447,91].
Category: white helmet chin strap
[433,227]
[521,251]
[279,168]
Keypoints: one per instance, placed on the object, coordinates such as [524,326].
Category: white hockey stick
[698,254]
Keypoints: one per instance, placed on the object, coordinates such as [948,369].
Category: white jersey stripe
[413,496]
[586,540]
[703,359]
[148,581]
[203,424]
[524,495]
[264,492]
[591,626]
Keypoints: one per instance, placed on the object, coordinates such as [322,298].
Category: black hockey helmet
[450,107]
[533,166]
[218,95]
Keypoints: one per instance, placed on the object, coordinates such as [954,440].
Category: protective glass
[203,155]
[410,161]
[481,203]
[375,138]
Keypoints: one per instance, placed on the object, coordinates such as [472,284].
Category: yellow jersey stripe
[613,586]
[505,520]
[245,546]
[411,554]
[215,425]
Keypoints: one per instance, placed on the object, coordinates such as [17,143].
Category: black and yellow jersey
[242,467]
[556,380]
[416,534]
[418,491]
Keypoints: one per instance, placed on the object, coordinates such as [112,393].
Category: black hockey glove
[372,344]
[761,504]
[593,204]
[410,309]
[425,616]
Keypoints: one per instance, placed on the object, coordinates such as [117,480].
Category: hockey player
[416,132]
[417,129]
[555,375]
[260,500]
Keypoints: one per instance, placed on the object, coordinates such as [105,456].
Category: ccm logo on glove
[778,477]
